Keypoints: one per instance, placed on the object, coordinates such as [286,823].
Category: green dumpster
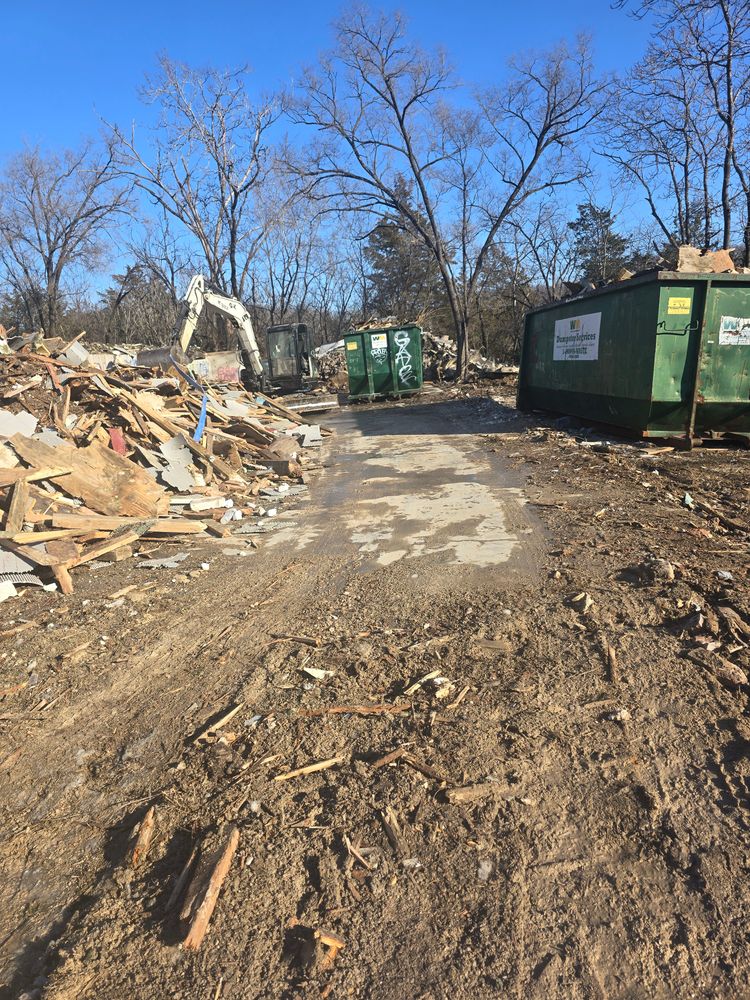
[662,355]
[384,362]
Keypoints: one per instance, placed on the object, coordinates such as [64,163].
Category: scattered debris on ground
[542,780]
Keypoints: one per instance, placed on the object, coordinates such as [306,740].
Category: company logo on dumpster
[734,330]
[577,338]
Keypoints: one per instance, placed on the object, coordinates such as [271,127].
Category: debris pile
[332,366]
[439,360]
[91,461]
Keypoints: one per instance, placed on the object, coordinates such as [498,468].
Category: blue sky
[66,64]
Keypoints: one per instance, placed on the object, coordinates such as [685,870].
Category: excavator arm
[199,298]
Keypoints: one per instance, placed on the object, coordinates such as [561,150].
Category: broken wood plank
[19,503]
[610,660]
[181,882]
[220,722]
[321,765]
[474,793]
[203,902]
[392,829]
[63,578]
[100,522]
[355,710]
[32,475]
[106,482]
[388,758]
[425,769]
[141,839]
[123,536]
[303,639]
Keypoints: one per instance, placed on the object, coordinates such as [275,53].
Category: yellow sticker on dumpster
[679,306]
[352,345]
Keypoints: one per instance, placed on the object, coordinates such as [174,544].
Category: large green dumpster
[664,354]
[385,362]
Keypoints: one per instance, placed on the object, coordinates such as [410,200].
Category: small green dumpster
[665,354]
[384,362]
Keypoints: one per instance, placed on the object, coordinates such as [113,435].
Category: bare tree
[210,157]
[56,212]
[663,135]
[379,104]
[704,52]
[544,244]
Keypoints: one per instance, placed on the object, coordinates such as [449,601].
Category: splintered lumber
[226,470]
[204,891]
[62,577]
[141,839]
[32,475]
[302,639]
[392,829]
[419,765]
[389,758]
[105,481]
[181,882]
[64,550]
[332,944]
[408,758]
[474,793]
[56,534]
[321,765]
[355,710]
[220,722]
[610,660]
[19,502]
[123,536]
[98,522]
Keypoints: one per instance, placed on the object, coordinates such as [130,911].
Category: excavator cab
[289,351]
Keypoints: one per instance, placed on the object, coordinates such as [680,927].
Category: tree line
[382,186]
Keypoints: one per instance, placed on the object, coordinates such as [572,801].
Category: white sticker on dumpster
[734,330]
[577,338]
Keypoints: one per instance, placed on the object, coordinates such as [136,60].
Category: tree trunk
[462,348]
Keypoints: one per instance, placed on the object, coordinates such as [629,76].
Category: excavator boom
[199,298]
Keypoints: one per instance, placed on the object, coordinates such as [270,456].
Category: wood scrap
[17,507]
[159,526]
[98,442]
[141,838]
[355,710]
[32,475]
[321,765]
[203,893]
[392,827]
[475,793]
[223,719]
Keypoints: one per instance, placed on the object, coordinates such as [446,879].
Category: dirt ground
[583,622]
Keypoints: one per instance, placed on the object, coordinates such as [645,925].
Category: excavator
[200,298]
[288,347]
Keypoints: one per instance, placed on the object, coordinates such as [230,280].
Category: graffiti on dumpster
[403,359]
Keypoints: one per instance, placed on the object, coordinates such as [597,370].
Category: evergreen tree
[402,278]
[600,251]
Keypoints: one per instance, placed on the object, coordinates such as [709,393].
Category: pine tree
[403,280]
[600,251]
